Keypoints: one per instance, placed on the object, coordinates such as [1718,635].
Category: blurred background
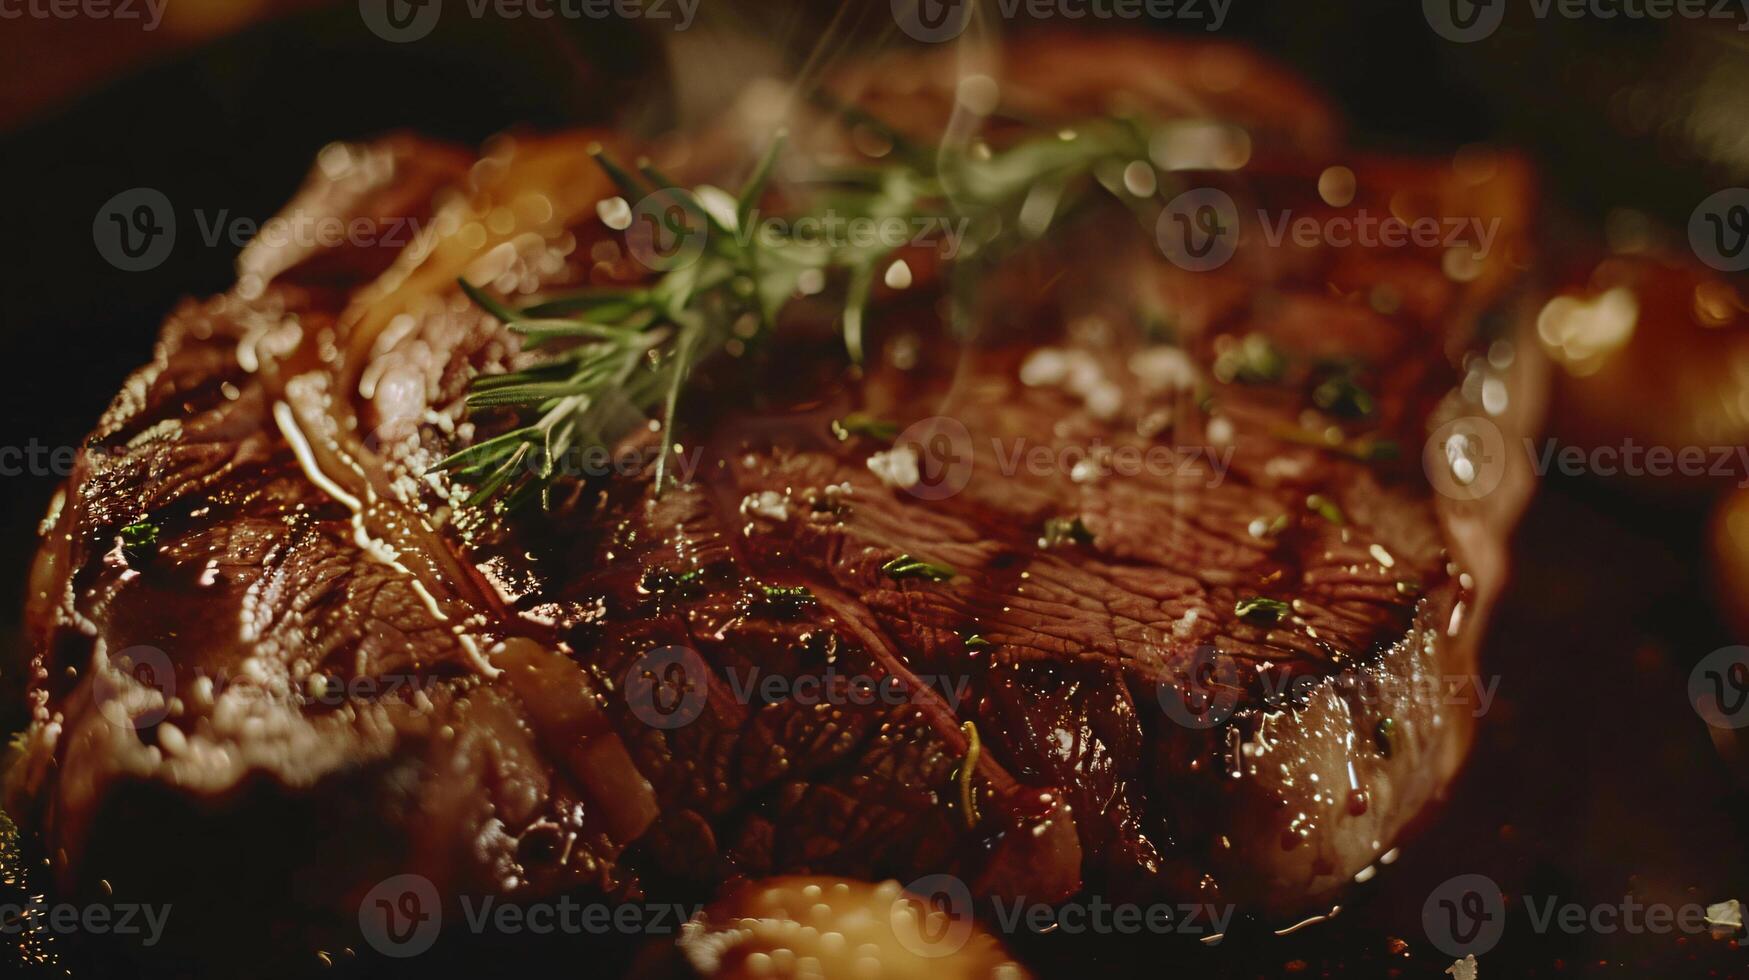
[1594,777]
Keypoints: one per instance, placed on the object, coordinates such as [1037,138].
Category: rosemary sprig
[612,357]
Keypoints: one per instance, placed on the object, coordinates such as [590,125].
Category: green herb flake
[661,580]
[784,600]
[1263,529]
[1065,530]
[1252,360]
[1259,609]
[861,424]
[139,540]
[976,641]
[787,592]
[141,534]
[905,566]
[1326,508]
[1342,396]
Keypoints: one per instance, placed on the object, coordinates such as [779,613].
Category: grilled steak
[1213,642]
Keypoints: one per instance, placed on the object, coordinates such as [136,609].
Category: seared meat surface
[1100,604]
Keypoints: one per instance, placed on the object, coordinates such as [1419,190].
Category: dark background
[1592,778]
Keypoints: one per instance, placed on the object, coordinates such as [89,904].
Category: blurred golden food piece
[835,928]
[1654,351]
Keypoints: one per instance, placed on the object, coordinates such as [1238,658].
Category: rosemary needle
[612,359]
[974,748]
